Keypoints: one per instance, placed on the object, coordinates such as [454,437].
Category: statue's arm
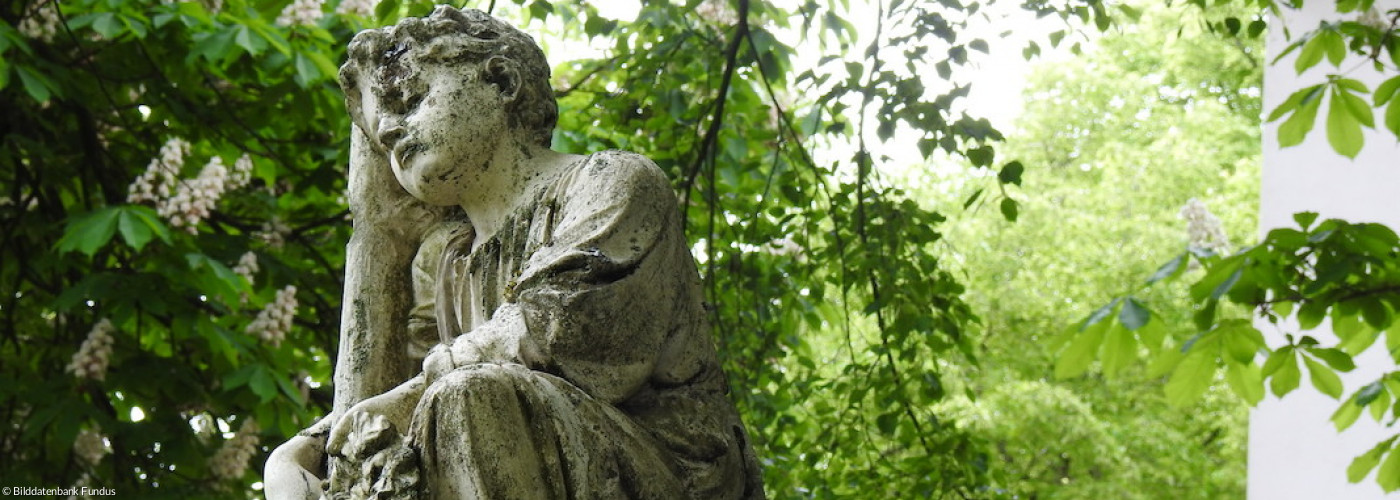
[389,227]
[594,303]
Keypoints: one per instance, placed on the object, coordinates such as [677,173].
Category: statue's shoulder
[621,173]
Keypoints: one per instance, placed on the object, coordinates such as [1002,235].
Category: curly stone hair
[388,58]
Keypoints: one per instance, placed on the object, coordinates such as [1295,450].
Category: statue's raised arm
[572,355]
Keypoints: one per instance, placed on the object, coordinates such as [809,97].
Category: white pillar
[1294,450]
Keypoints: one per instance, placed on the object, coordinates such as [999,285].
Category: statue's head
[387,61]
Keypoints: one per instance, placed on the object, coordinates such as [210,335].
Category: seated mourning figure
[518,322]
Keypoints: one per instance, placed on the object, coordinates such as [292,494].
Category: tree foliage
[1296,277]
[1119,138]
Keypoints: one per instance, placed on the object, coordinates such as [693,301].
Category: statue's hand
[395,406]
[377,199]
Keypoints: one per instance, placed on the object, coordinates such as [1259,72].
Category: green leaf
[214,46]
[1346,415]
[34,84]
[1389,474]
[1334,358]
[107,24]
[1297,126]
[1294,100]
[1165,361]
[250,42]
[1305,219]
[1133,315]
[1392,116]
[1375,313]
[1205,316]
[1343,129]
[1152,334]
[973,199]
[1287,376]
[133,230]
[1386,90]
[1357,107]
[307,73]
[1009,209]
[1335,45]
[1323,378]
[1011,173]
[263,384]
[982,156]
[88,232]
[1246,382]
[1080,353]
[1369,393]
[887,422]
[1242,340]
[1362,465]
[1191,378]
[1119,349]
[387,9]
[1171,269]
[1312,53]
[1218,279]
[1257,28]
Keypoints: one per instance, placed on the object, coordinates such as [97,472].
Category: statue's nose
[390,133]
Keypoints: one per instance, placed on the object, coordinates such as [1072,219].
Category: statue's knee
[479,379]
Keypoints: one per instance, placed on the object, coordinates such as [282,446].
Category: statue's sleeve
[594,303]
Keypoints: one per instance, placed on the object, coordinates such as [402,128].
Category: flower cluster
[90,447]
[154,185]
[301,13]
[242,171]
[275,320]
[91,359]
[247,265]
[42,23]
[1204,228]
[231,461]
[194,198]
[360,8]
[718,12]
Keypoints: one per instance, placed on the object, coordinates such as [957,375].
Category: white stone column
[1294,450]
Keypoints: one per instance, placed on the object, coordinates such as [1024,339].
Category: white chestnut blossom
[43,22]
[154,185]
[247,266]
[718,12]
[89,447]
[231,461]
[91,359]
[242,172]
[1204,228]
[359,8]
[275,320]
[301,13]
[194,198]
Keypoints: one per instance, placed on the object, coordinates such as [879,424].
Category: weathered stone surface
[518,322]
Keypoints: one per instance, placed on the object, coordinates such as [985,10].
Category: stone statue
[518,322]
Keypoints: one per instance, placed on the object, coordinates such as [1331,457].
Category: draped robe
[594,375]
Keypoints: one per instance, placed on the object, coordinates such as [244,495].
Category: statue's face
[441,126]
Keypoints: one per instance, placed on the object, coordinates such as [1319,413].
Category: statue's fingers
[340,432]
